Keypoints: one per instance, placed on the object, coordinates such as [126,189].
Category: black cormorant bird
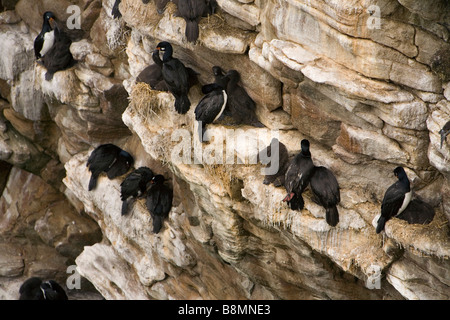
[297,177]
[241,106]
[396,198]
[134,186]
[283,162]
[52,47]
[46,38]
[175,75]
[325,189]
[34,289]
[212,105]
[444,132]
[159,201]
[152,75]
[192,11]
[115,10]
[108,158]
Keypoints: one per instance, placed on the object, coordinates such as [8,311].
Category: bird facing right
[396,198]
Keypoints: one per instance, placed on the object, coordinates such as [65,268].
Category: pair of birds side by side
[222,97]
[115,162]
[36,289]
[190,10]
[159,197]
[302,172]
[52,47]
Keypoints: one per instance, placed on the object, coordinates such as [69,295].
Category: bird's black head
[49,18]
[305,145]
[128,157]
[158,179]
[166,48]
[233,75]
[400,173]
[217,71]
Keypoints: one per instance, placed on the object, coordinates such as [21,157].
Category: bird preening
[110,159]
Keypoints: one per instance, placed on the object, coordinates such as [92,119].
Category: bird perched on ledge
[159,201]
[134,186]
[175,75]
[108,158]
[396,198]
[325,189]
[297,177]
[46,38]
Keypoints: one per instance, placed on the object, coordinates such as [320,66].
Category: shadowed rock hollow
[365,81]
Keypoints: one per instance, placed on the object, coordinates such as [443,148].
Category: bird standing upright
[192,11]
[159,201]
[297,177]
[396,198]
[325,189]
[212,105]
[46,38]
[175,75]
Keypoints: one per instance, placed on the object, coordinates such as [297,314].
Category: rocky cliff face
[367,82]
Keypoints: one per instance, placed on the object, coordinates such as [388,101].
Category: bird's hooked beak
[52,22]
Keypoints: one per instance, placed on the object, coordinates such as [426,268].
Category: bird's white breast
[405,202]
[49,40]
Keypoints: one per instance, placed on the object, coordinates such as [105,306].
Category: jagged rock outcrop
[364,81]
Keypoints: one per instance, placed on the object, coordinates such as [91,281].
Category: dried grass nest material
[145,102]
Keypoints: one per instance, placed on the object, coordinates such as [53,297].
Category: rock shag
[277,178]
[297,177]
[212,104]
[396,199]
[52,47]
[46,38]
[159,201]
[326,192]
[108,158]
[175,75]
[133,186]
[241,105]
[35,289]
[192,11]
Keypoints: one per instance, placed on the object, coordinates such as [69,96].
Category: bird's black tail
[192,31]
[157,223]
[380,225]
[182,104]
[332,216]
[93,182]
[124,207]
